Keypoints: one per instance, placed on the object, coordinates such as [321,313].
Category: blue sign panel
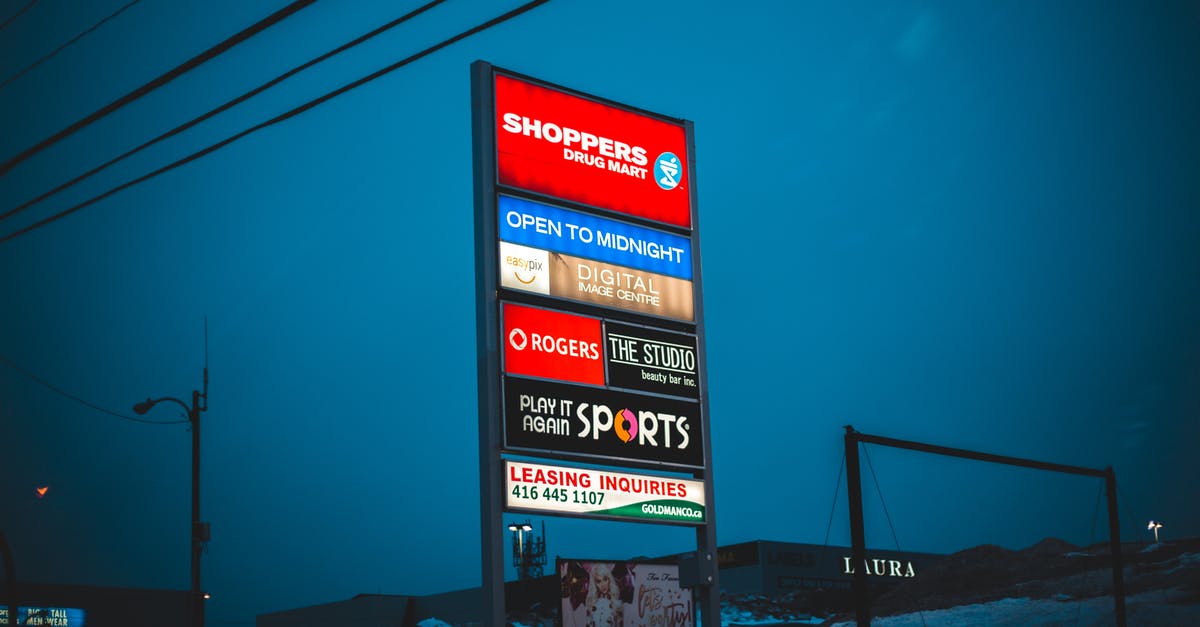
[46,616]
[592,237]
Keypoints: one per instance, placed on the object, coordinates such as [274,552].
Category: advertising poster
[623,594]
[562,418]
[590,492]
[559,144]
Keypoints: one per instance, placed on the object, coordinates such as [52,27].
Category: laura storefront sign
[559,144]
[603,493]
[595,422]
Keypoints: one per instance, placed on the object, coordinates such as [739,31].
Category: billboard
[563,276]
[560,418]
[552,344]
[581,150]
[651,360]
[629,594]
[596,493]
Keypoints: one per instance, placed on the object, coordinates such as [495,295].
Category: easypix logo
[524,268]
[667,170]
[552,345]
[648,428]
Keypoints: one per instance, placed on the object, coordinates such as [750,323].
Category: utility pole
[201,531]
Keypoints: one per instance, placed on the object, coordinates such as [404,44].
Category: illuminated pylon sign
[590,322]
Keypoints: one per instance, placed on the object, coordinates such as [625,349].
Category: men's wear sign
[553,345]
[651,360]
[559,418]
[562,145]
[571,232]
[602,493]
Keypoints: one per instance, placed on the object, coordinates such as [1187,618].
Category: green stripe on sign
[666,509]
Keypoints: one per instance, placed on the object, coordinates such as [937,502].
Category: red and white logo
[570,147]
[552,345]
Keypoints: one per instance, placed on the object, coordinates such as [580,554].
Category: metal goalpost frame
[862,602]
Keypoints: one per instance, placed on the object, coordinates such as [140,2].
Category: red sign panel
[562,145]
[553,345]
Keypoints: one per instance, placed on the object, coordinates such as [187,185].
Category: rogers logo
[518,339]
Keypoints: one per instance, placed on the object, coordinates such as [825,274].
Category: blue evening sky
[970,223]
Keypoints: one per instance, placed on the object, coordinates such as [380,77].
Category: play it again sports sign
[558,144]
[603,493]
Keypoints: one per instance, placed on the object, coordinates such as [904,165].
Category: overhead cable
[8,362]
[169,76]
[20,12]
[279,118]
[228,105]
[66,45]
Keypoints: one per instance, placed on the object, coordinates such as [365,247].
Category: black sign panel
[651,360]
[574,419]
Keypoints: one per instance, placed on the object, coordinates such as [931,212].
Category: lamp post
[519,558]
[1154,526]
[200,530]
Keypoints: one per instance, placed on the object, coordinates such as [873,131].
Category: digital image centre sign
[562,145]
[554,274]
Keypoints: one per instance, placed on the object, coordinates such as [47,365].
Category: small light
[41,491]
[207,596]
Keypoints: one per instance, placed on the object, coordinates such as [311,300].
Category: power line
[82,401]
[528,6]
[169,76]
[228,105]
[66,45]
[18,14]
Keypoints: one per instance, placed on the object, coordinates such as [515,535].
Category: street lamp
[200,530]
[1154,526]
[519,559]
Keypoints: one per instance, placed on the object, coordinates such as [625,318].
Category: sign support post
[487,325]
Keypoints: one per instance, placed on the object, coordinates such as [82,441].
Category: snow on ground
[1149,608]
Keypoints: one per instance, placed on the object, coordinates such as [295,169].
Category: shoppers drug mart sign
[603,493]
[562,145]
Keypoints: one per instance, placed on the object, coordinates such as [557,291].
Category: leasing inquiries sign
[603,493]
[563,145]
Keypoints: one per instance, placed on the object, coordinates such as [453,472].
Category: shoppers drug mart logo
[667,170]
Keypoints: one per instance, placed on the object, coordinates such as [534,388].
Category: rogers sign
[552,345]
[562,145]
